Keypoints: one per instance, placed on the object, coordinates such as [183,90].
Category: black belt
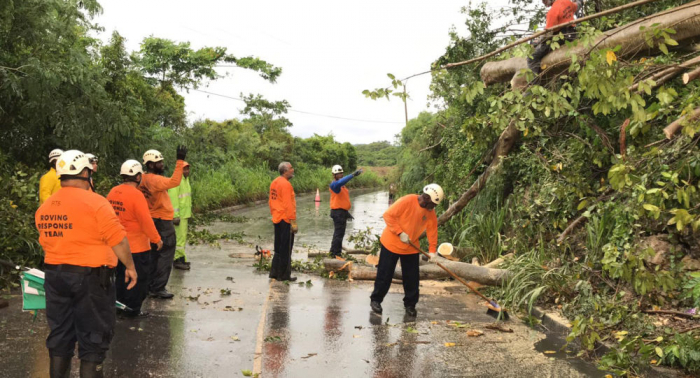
[75,268]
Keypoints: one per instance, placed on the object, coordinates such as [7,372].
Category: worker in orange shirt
[283,208]
[340,207]
[49,182]
[132,210]
[406,220]
[561,11]
[82,240]
[155,188]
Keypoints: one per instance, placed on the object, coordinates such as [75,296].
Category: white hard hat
[72,162]
[131,167]
[435,192]
[337,169]
[152,155]
[91,157]
[55,154]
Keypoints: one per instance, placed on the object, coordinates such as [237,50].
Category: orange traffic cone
[318,196]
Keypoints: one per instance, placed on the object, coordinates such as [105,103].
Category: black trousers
[385,273]
[134,298]
[281,268]
[79,309]
[542,49]
[162,261]
[340,221]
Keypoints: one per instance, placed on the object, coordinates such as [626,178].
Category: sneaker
[376,307]
[411,311]
[163,294]
[180,265]
[290,279]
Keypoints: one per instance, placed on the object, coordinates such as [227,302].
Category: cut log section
[676,125]
[482,275]
[685,20]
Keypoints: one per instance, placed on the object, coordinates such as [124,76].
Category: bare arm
[123,253]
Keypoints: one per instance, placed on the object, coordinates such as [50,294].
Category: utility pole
[405,104]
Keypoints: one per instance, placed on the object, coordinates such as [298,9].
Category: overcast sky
[330,51]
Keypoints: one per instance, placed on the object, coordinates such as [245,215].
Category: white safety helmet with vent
[131,167]
[435,192]
[71,163]
[55,154]
[92,158]
[152,156]
[337,169]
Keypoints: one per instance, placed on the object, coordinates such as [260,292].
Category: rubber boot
[59,367]
[89,369]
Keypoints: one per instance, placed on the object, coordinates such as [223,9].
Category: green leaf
[659,351]
[247,373]
[663,48]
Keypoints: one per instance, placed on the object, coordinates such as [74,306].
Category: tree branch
[551,30]
[676,125]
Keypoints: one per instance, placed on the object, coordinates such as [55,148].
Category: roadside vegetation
[601,214]
[60,87]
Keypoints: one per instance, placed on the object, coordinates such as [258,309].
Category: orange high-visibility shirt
[406,215]
[132,210]
[562,11]
[283,203]
[155,189]
[78,227]
[340,200]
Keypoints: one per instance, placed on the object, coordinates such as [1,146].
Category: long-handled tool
[494,309]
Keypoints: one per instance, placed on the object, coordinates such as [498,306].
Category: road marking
[257,360]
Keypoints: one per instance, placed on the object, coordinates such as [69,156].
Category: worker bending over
[283,208]
[561,11]
[82,240]
[49,182]
[181,198]
[132,210]
[406,220]
[340,207]
[155,188]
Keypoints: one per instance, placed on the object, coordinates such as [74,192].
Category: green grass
[233,184]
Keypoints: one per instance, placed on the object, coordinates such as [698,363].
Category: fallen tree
[503,146]
[479,274]
[685,20]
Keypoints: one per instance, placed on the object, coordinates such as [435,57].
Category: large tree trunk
[685,20]
[482,275]
[504,145]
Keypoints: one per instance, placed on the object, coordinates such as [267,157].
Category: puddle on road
[556,343]
[315,223]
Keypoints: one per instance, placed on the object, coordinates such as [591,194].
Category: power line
[301,111]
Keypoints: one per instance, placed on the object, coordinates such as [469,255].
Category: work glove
[181,152]
[432,255]
[404,238]
[176,221]
[357,173]
[295,227]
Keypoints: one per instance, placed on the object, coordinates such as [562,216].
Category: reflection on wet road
[279,330]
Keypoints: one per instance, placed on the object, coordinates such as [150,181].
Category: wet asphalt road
[279,330]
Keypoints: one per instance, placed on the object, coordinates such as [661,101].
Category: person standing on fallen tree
[406,220]
[283,208]
[155,188]
[561,11]
[340,207]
